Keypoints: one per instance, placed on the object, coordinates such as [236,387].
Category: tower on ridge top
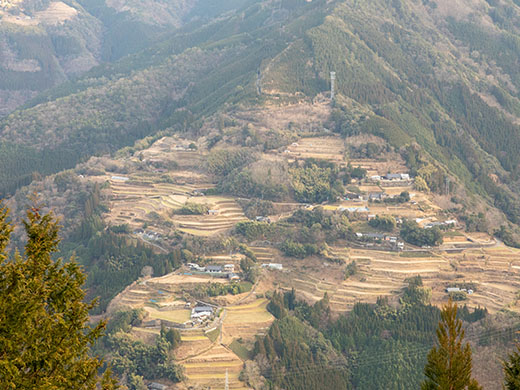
[332,80]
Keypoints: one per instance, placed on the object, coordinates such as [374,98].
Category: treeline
[304,233]
[316,182]
[382,346]
[19,165]
[412,233]
[134,361]
[299,357]
[113,261]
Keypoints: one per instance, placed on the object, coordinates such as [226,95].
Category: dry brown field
[133,201]
[323,148]
[246,321]
[209,368]
[375,167]
[493,271]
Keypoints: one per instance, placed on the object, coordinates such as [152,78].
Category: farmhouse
[214,269]
[397,176]
[260,218]
[196,267]
[354,209]
[213,212]
[233,277]
[453,289]
[351,196]
[201,312]
[457,289]
[451,222]
[151,235]
[376,196]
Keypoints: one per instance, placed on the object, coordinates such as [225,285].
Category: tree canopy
[512,370]
[449,363]
[45,338]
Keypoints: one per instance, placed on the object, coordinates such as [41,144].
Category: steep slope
[113,106]
[41,45]
[444,77]
[44,43]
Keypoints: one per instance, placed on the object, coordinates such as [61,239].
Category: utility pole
[332,79]
[227,381]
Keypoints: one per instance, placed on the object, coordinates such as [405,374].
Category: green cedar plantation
[381,347]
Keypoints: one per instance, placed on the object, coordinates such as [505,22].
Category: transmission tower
[448,186]
[332,79]
[226,386]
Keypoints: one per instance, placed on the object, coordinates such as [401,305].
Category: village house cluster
[226,270]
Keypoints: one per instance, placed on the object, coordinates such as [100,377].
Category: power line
[380,359]
[332,81]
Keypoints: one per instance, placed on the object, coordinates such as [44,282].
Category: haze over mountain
[44,43]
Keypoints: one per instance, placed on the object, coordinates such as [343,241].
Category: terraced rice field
[133,201]
[173,149]
[494,272]
[491,270]
[228,214]
[164,292]
[194,342]
[246,321]
[323,148]
[209,369]
[264,254]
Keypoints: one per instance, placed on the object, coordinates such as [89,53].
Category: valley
[145,201]
[271,194]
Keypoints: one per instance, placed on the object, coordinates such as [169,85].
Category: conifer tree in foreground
[45,338]
[512,370]
[449,363]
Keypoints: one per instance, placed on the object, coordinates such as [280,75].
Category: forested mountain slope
[44,43]
[442,74]
[114,105]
